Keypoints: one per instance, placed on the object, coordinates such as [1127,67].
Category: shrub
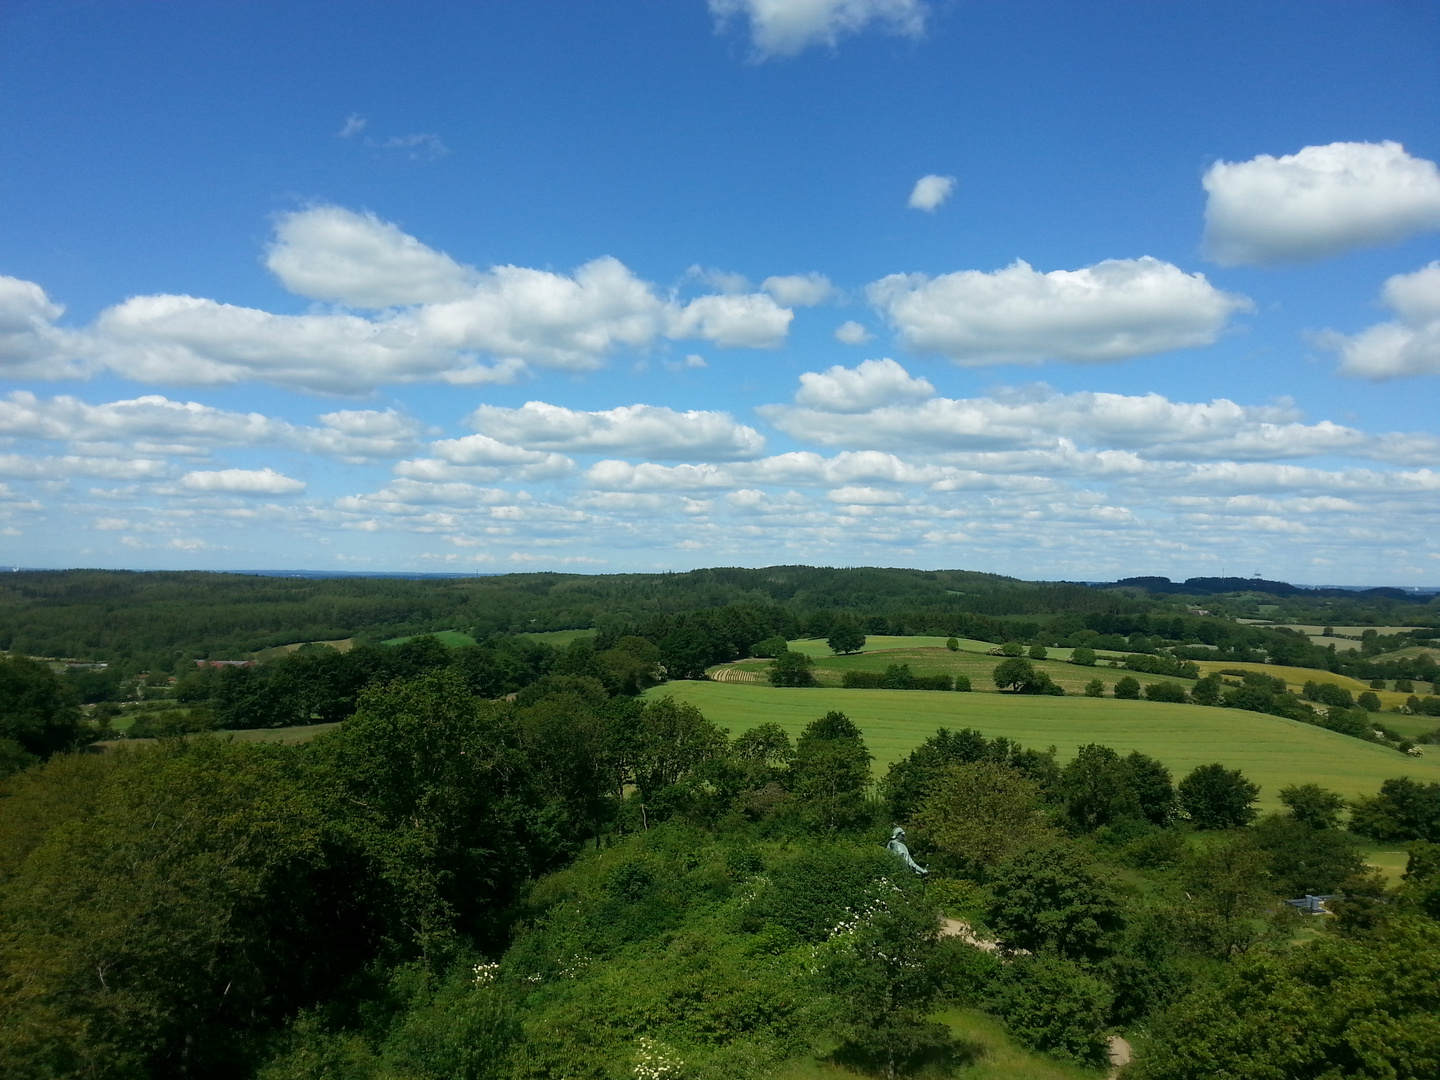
[1095,688]
[1012,648]
[1368,701]
[1165,691]
[1038,652]
[1207,691]
[962,683]
[953,644]
[1053,1005]
[1128,688]
[770,647]
[792,669]
[1082,655]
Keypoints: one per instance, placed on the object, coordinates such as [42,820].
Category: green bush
[1128,688]
[1165,691]
[1054,1005]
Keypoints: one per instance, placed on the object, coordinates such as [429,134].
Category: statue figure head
[897,833]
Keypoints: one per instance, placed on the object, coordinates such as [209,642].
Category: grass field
[929,656]
[453,639]
[1272,751]
[561,638]
[274,653]
[1296,678]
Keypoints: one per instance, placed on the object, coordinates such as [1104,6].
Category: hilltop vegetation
[516,857]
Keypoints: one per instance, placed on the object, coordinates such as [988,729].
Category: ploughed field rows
[938,660]
[1272,751]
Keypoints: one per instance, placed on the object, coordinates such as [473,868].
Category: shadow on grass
[927,1050]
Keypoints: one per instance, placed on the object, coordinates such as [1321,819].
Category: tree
[1403,809]
[1019,675]
[953,644]
[1208,691]
[846,637]
[831,772]
[1128,688]
[1165,691]
[1038,652]
[881,966]
[792,669]
[1012,648]
[178,915]
[1368,701]
[1151,782]
[910,780]
[1218,798]
[1313,805]
[1361,1009]
[980,813]
[1229,886]
[37,711]
[1304,858]
[1082,655]
[686,652]
[1047,898]
[770,647]
[1095,788]
[1095,688]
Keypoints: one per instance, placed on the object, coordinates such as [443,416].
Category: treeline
[154,621]
[161,622]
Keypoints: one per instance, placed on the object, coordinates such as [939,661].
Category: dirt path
[962,929]
[1120,1052]
[1119,1055]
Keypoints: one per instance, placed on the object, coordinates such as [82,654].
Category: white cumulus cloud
[799,290]
[872,384]
[930,191]
[786,27]
[330,253]
[648,430]
[154,424]
[432,319]
[750,320]
[879,406]
[1407,345]
[1320,201]
[243,482]
[31,346]
[1113,310]
[851,332]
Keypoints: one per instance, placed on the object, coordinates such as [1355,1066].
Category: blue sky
[1056,290]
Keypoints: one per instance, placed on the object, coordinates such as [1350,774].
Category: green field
[561,638]
[928,656]
[453,639]
[339,645]
[1270,750]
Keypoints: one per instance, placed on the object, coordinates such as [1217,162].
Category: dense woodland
[506,863]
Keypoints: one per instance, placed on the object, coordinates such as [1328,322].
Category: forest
[524,859]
